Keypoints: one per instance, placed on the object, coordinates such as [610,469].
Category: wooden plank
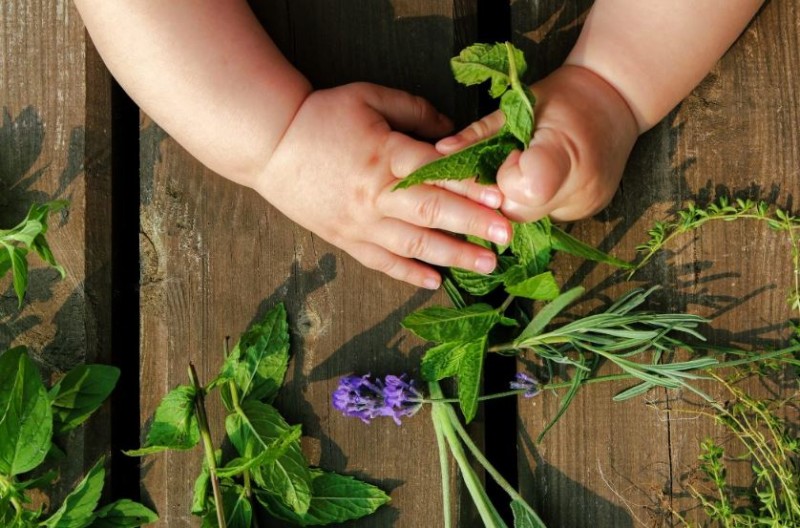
[55,144]
[624,464]
[215,254]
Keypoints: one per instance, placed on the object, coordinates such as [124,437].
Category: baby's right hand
[333,173]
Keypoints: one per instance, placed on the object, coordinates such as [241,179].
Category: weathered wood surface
[214,255]
[626,464]
[55,144]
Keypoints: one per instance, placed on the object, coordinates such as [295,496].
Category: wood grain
[627,464]
[55,144]
[214,255]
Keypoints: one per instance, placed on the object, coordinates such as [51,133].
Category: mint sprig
[268,470]
[502,65]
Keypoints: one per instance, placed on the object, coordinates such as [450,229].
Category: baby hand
[333,173]
[584,135]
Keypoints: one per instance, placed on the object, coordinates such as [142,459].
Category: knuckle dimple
[415,246]
[429,210]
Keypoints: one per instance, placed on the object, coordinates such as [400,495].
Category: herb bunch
[34,419]
[268,471]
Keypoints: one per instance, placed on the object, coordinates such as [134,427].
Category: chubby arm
[206,72]
[634,61]
[213,79]
[655,52]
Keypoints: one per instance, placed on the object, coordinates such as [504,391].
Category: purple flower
[525,383]
[362,397]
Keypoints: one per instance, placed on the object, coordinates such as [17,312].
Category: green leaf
[42,248]
[81,392]
[441,324]
[548,312]
[483,62]
[26,421]
[258,362]
[19,271]
[460,165]
[523,517]
[463,360]
[77,509]
[542,287]
[577,381]
[335,499]
[123,513]
[517,106]
[200,491]
[237,507]
[259,427]
[533,245]
[276,450]
[493,155]
[469,378]
[563,241]
[26,233]
[174,424]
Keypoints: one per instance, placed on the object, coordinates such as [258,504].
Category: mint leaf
[460,165]
[517,106]
[335,499]
[77,509]
[441,324]
[259,427]
[276,449]
[532,243]
[200,491]
[258,362]
[123,513]
[542,287]
[476,283]
[237,507]
[523,517]
[563,241]
[464,360]
[78,394]
[26,421]
[19,270]
[487,62]
[174,424]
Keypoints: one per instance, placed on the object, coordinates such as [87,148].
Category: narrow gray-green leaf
[542,287]
[259,427]
[81,392]
[123,513]
[335,499]
[26,420]
[523,518]
[548,312]
[174,424]
[577,381]
[441,324]
[563,241]
[78,508]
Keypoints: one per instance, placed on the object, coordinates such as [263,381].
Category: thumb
[408,113]
[530,180]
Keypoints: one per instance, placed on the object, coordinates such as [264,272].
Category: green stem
[208,444]
[7,488]
[489,515]
[503,483]
[444,465]
[480,398]
[505,305]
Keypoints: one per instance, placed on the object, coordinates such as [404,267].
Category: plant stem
[208,444]
[7,488]
[444,465]
[480,398]
[502,482]
[489,515]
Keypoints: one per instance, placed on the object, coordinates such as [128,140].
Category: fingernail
[451,141]
[491,198]
[485,264]
[431,283]
[498,233]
